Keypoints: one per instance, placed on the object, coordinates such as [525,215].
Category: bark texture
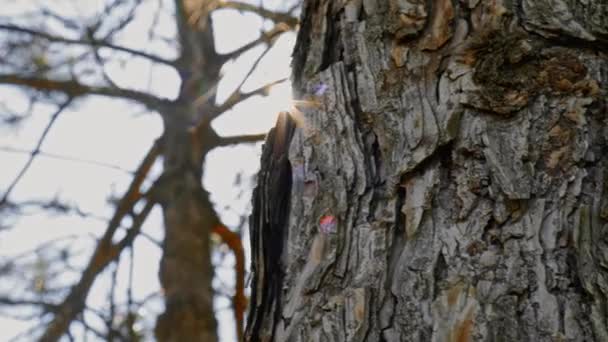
[460,148]
[267,226]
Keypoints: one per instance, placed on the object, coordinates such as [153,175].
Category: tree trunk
[185,270]
[449,175]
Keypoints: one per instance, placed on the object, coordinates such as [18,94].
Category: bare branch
[237,97]
[106,251]
[54,205]
[239,139]
[133,194]
[47,307]
[111,316]
[89,42]
[204,98]
[266,37]
[130,304]
[233,240]
[66,22]
[151,239]
[95,332]
[66,158]
[35,151]
[74,89]
[104,254]
[121,23]
[25,335]
[278,17]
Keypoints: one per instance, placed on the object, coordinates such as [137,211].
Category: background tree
[59,54]
[448,176]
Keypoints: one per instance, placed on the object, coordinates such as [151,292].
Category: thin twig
[35,152]
[56,206]
[109,319]
[74,88]
[278,17]
[233,240]
[238,97]
[66,158]
[106,251]
[92,43]
[239,139]
[265,37]
[130,321]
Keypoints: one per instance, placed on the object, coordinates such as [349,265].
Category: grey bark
[461,148]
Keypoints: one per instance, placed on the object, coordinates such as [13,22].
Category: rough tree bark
[449,174]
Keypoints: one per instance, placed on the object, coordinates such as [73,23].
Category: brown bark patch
[560,72]
[399,54]
[440,28]
[475,247]
[453,294]
[463,330]
[558,150]
[511,70]
[409,18]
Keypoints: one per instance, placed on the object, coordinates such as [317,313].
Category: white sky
[119,133]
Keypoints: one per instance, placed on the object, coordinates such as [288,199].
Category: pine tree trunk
[449,175]
[185,269]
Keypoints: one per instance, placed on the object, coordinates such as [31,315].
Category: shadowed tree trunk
[449,176]
[185,270]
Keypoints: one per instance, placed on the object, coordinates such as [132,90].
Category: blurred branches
[74,88]
[88,40]
[34,152]
[286,17]
[60,53]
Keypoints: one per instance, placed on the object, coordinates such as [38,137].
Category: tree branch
[104,254]
[109,8]
[91,43]
[54,205]
[239,139]
[74,88]
[204,98]
[237,97]
[66,158]
[28,302]
[34,153]
[233,241]
[106,251]
[265,37]
[278,17]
